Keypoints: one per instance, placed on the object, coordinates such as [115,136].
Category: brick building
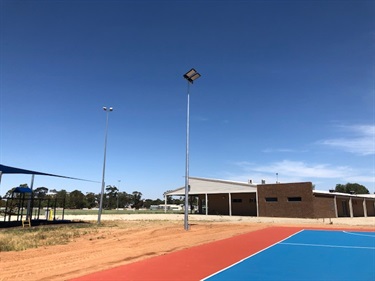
[294,200]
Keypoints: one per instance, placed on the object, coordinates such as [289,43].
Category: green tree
[124,200]
[137,201]
[352,188]
[111,194]
[147,203]
[77,200]
[8,194]
[91,200]
[40,192]
[62,197]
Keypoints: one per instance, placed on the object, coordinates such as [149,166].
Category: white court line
[328,246]
[359,234]
[250,256]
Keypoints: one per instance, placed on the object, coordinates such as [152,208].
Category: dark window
[271,199]
[237,200]
[294,199]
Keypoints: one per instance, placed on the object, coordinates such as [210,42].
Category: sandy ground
[131,238]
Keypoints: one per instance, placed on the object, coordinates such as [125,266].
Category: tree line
[113,198]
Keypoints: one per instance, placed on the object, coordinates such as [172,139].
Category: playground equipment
[22,206]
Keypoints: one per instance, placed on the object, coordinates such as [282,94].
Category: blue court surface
[309,255]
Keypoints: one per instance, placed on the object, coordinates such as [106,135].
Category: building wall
[358,210]
[218,204]
[281,200]
[294,200]
[244,204]
[370,207]
[324,206]
[343,206]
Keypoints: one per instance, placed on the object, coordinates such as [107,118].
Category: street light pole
[190,76]
[105,154]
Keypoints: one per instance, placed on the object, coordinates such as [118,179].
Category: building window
[271,199]
[237,200]
[294,199]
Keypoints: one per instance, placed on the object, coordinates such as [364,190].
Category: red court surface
[197,262]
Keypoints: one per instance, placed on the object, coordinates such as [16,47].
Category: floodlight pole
[186,216]
[190,76]
[105,154]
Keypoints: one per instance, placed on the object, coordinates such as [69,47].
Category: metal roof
[213,186]
[343,194]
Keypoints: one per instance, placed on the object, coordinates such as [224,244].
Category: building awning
[213,186]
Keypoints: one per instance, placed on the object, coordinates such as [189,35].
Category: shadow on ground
[8,224]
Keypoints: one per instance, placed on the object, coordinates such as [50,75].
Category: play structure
[23,207]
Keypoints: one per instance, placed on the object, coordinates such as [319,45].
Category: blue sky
[287,87]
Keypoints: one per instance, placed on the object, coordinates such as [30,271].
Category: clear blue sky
[287,87]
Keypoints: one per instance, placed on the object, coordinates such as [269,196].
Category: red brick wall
[284,207]
[324,206]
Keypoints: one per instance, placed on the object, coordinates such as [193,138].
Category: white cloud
[282,150]
[362,140]
[324,176]
[297,169]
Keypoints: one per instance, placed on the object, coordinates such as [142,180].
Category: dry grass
[19,239]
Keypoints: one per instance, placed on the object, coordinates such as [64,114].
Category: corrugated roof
[213,186]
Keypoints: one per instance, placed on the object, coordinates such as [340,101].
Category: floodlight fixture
[191,75]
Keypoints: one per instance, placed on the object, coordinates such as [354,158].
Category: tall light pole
[119,181]
[105,154]
[190,76]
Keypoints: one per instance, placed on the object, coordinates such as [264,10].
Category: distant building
[293,200]
[168,207]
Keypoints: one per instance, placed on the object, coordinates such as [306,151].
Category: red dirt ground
[197,262]
[129,242]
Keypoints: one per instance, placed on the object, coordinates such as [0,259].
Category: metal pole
[186,217]
[29,211]
[118,192]
[105,154]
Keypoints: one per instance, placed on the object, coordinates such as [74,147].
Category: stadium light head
[191,75]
